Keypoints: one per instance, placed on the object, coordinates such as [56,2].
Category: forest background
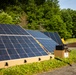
[43,15]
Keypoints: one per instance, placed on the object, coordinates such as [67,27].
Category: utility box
[61,51]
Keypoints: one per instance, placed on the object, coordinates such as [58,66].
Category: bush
[15,12]
[5,18]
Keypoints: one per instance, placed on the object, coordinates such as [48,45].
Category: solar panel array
[16,43]
[37,34]
[55,36]
[12,29]
[47,42]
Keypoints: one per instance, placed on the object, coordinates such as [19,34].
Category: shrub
[5,18]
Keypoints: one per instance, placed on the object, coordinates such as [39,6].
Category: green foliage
[33,68]
[15,12]
[43,15]
[67,18]
[39,2]
[70,40]
[5,18]
[73,15]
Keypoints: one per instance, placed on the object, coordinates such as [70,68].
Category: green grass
[38,67]
[71,40]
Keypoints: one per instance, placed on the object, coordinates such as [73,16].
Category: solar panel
[55,36]
[58,38]
[19,49]
[51,35]
[37,34]
[19,44]
[12,29]
[47,42]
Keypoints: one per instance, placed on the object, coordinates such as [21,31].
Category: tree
[5,18]
[66,17]
[57,25]
[15,13]
[39,2]
[41,15]
[74,22]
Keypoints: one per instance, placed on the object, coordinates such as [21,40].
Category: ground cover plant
[71,40]
[38,67]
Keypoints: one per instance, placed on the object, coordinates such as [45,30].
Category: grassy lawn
[38,67]
[71,40]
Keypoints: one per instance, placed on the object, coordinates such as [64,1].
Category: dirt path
[67,70]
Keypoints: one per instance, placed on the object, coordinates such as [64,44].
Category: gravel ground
[67,70]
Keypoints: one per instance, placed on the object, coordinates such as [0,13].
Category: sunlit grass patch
[71,40]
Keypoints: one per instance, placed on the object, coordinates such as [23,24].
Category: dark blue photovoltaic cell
[27,50]
[14,56]
[11,51]
[37,34]
[9,45]
[31,54]
[23,55]
[2,45]
[0,41]
[3,54]
[4,57]
[20,51]
[12,29]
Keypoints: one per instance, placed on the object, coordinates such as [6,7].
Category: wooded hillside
[44,15]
